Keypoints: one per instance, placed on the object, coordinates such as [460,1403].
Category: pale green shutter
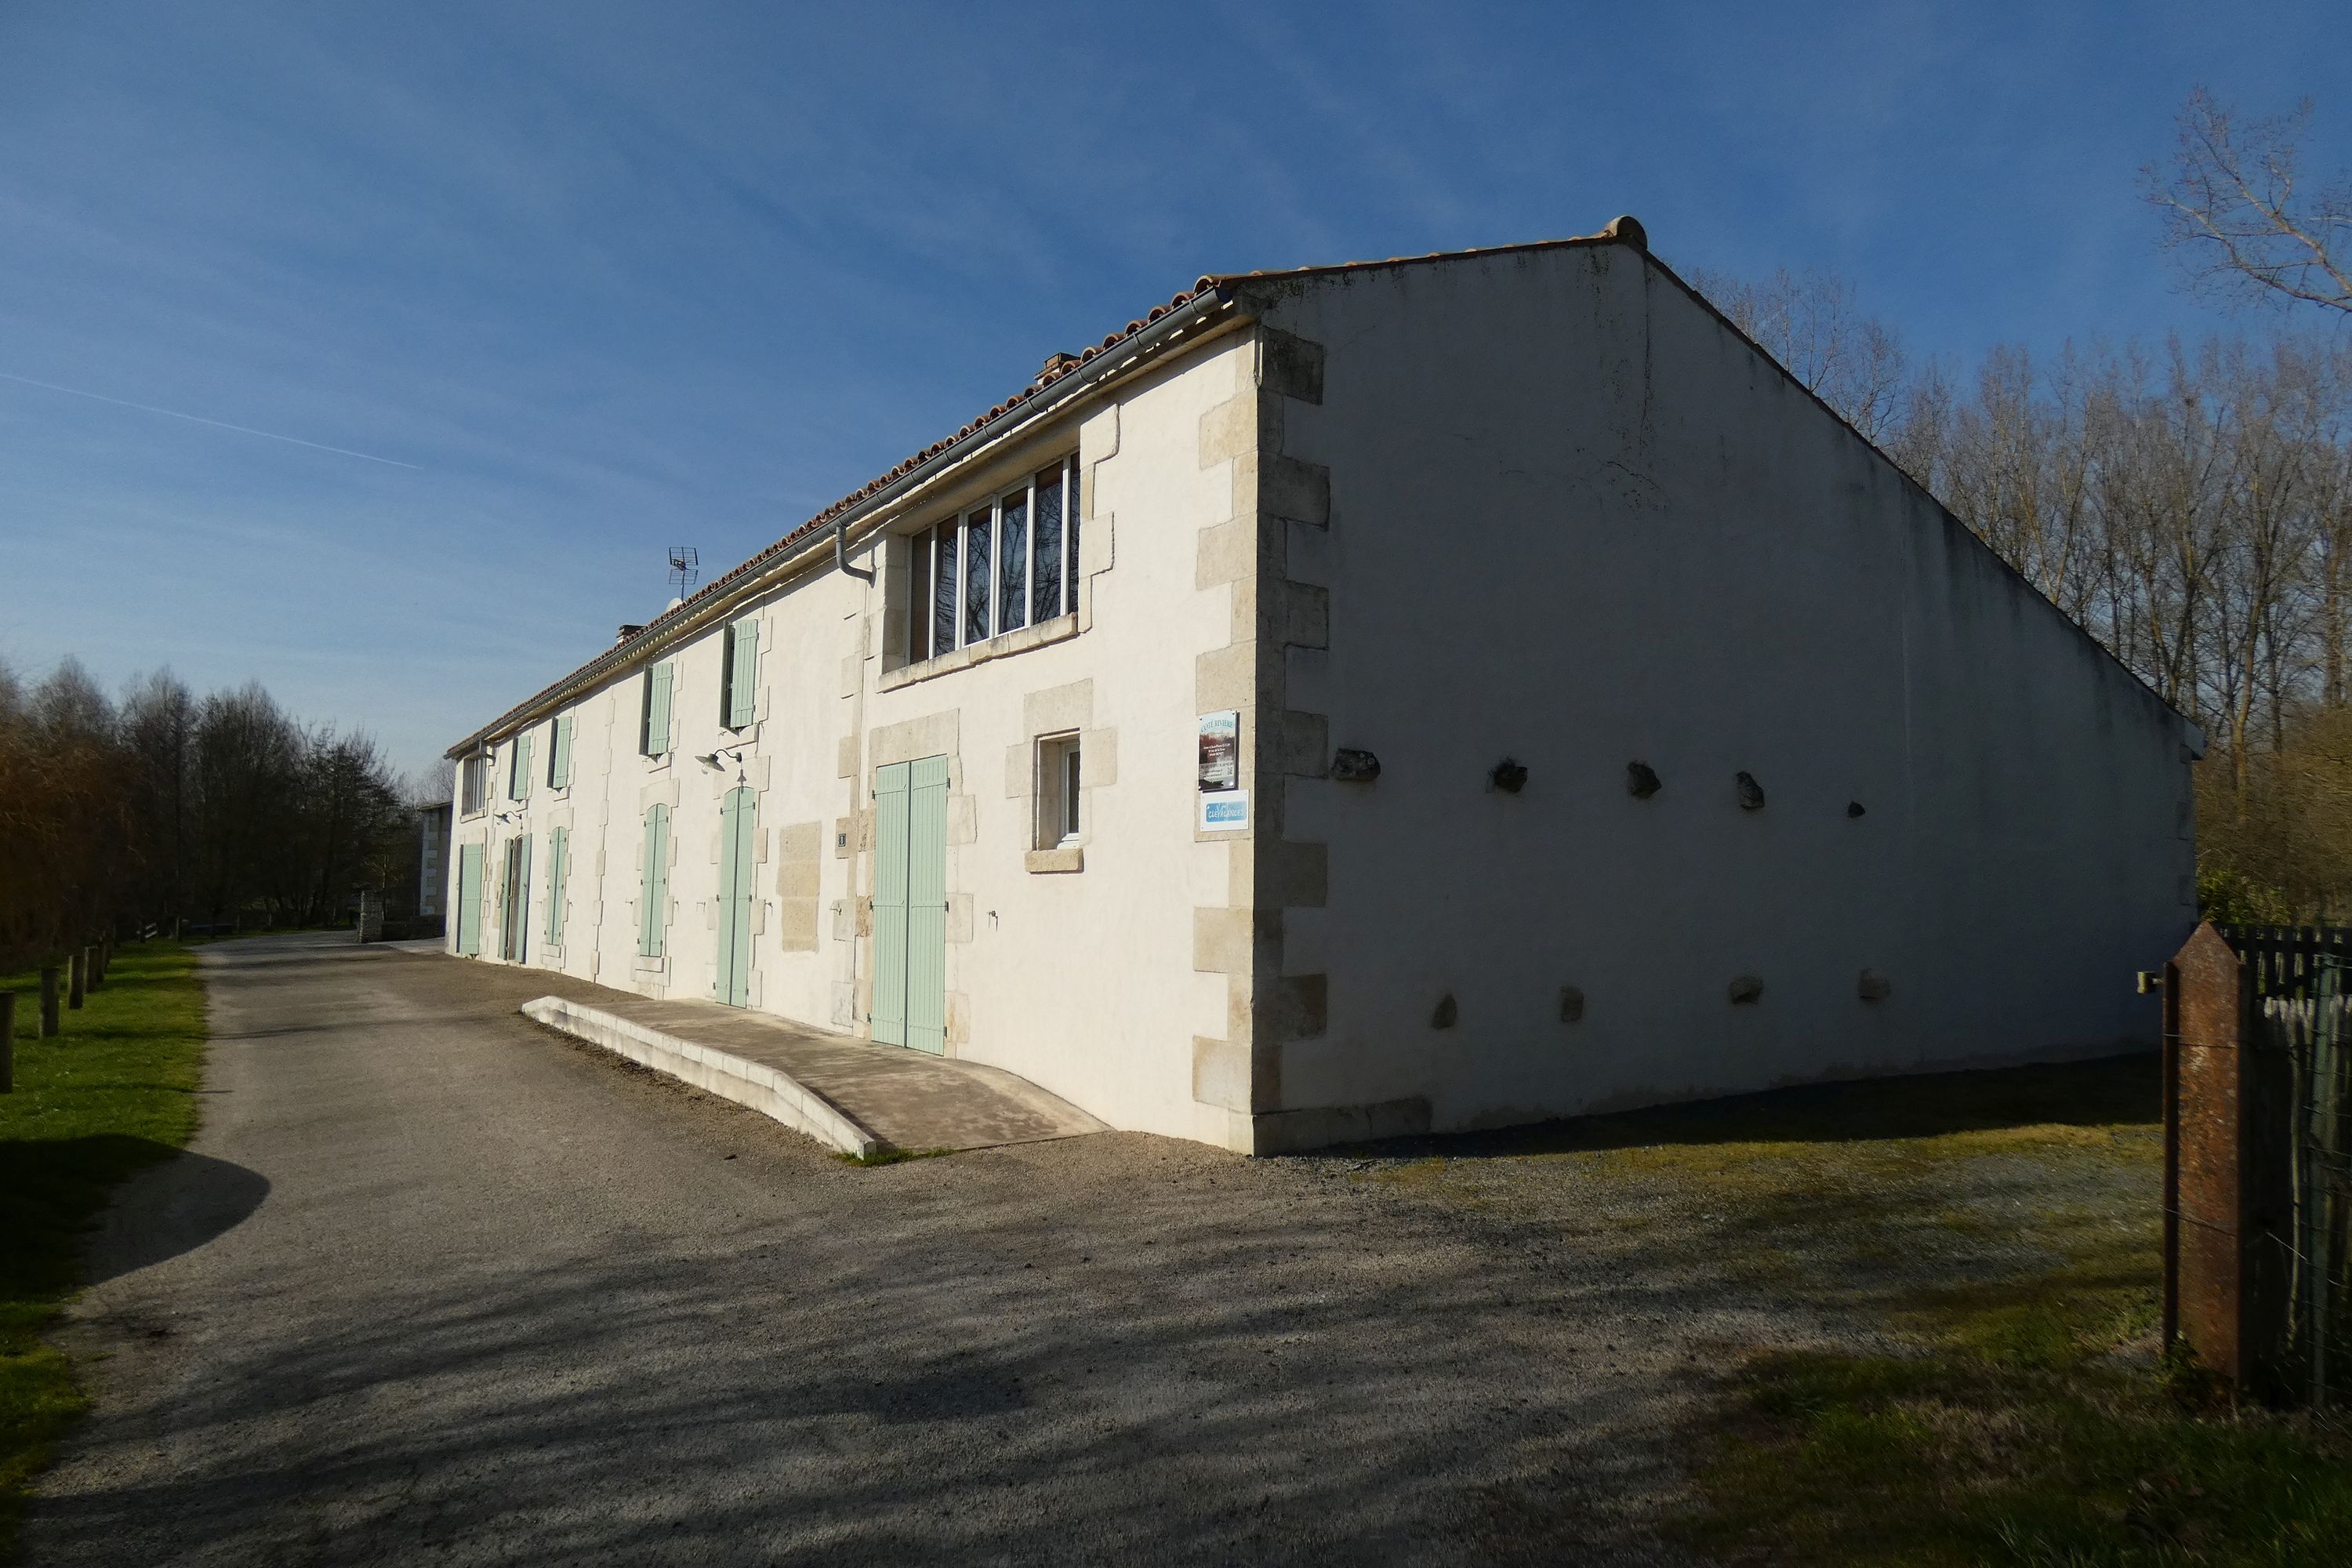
[737,894]
[558,852]
[742,672]
[469,899]
[927,904]
[888,1011]
[657,711]
[519,786]
[652,895]
[558,761]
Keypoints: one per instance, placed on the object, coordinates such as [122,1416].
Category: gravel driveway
[437,1286]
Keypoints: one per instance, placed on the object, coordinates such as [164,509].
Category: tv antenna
[685,566]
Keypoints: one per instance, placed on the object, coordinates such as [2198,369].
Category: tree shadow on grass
[2110,1091]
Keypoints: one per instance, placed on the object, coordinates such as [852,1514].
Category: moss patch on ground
[1992,1241]
[114,1092]
[2002,1230]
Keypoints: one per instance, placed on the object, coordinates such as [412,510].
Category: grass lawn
[1999,1234]
[115,1091]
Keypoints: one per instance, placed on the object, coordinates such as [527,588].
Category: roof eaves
[1626,230]
[1206,297]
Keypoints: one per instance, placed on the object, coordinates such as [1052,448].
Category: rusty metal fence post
[2228,1194]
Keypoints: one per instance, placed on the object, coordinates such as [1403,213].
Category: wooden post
[2225,1154]
[97,952]
[48,1002]
[76,977]
[8,1042]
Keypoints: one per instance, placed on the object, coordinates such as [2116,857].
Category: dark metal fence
[2284,960]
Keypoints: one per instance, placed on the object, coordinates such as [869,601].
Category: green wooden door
[927,905]
[910,926]
[887,1012]
[737,885]
[469,899]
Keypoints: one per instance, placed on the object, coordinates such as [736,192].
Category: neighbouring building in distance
[432,860]
[1415,695]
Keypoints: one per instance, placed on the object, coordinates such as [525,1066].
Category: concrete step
[851,1095]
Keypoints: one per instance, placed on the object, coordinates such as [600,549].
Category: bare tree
[1813,323]
[2231,200]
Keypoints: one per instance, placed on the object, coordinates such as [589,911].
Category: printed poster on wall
[1221,751]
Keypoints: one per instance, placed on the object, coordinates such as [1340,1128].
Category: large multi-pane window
[1010,563]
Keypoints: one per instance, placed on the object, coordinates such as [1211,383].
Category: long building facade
[1404,696]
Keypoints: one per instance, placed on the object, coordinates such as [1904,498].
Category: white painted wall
[1082,983]
[1578,521]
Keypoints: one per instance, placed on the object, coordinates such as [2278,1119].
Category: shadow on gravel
[2125,1089]
[179,1202]
[942,1363]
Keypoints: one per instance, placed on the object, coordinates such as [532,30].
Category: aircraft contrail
[200,419]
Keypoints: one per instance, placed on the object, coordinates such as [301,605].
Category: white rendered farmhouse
[1405,695]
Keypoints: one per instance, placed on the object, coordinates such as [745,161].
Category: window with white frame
[473,774]
[1057,790]
[1010,564]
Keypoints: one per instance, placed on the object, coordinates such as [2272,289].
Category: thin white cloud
[200,419]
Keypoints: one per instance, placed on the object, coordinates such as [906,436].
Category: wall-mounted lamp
[1510,776]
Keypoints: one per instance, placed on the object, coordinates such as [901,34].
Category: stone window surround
[907,545]
[473,784]
[1093,442]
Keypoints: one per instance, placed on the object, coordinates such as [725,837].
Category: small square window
[1058,796]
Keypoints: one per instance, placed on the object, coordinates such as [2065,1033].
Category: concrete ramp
[851,1095]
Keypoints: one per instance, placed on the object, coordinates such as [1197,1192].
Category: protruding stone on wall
[1306,744]
[1751,794]
[1571,1004]
[1874,986]
[1059,708]
[1226,678]
[1226,552]
[1746,989]
[1221,942]
[1446,1014]
[1290,366]
[1298,491]
[1221,1073]
[1305,616]
[1642,781]
[1294,1007]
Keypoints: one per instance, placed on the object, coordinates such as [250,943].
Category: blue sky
[569,283]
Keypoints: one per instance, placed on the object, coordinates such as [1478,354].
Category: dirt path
[439,1286]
